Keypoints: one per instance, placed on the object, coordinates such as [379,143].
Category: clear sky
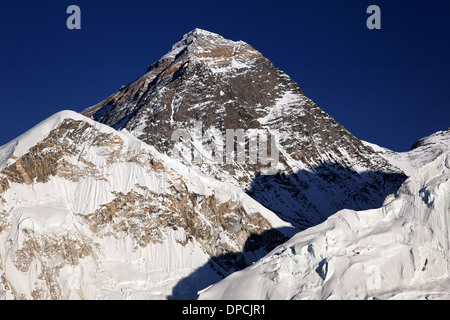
[389,86]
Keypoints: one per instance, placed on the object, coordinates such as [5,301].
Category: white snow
[399,251]
[431,147]
[118,268]
[51,216]
[374,146]
[283,105]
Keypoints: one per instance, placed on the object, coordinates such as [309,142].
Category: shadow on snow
[218,267]
[305,198]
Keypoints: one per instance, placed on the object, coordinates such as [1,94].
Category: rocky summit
[308,165]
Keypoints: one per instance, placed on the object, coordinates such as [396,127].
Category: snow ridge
[88,212]
[423,151]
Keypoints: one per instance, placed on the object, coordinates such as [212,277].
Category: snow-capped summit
[198,33]
[206,37]
[209,48]
[316,166]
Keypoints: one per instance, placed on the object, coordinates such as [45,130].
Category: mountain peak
[228,85]
[197,47]
[205,37]
[208,47]
[196,37]
[201,33]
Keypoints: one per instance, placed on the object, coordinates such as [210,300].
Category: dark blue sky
[388,86]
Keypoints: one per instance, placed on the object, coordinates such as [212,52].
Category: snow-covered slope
[89,212]
[399,251]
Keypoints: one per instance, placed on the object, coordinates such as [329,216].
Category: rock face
[89,212]
[308,166]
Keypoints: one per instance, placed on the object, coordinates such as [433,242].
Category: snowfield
[399,251]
